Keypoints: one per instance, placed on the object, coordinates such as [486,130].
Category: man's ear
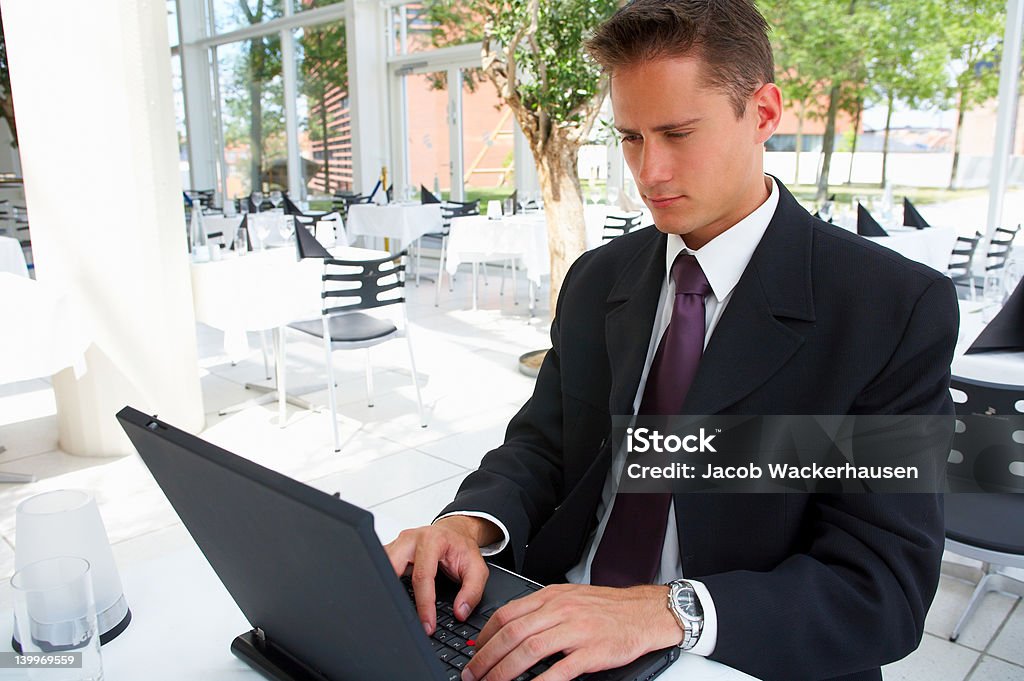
[767,103]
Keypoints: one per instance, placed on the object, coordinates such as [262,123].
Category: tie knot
[688,276]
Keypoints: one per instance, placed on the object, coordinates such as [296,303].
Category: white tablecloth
[1006,368]
[12,258]
[931,246]
[261,290]
[43,332]
[477,238]
[403,222]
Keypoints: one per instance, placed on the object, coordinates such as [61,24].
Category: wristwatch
[685,605]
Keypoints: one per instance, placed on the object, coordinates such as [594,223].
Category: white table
[403,222]
[12,257]
[478,238]
[183,622]
[259,291]
[1004,368]
[931,246]
[43,333]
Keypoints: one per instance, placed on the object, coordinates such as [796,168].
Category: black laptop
[311,576]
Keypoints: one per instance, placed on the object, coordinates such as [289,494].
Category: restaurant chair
[617,224]
[449,210]
[985,474]
[959,269]
[999,248]
[350,287]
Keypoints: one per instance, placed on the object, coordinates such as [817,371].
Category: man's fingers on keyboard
[474,578]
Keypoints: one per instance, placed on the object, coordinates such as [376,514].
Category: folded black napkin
[1006,331]
[867,225]
[427,196]
[248,240]
[306,243]
[289,206]
[911,218]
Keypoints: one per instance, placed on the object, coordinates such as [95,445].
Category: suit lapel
[632,303]
[750,343]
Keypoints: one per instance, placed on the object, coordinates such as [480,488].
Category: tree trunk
[961,109]
[256,115]
[799,141]
[885,143]
[563,209]
[856,134]
[7,110]
[829,143]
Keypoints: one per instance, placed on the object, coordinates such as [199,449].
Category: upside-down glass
[55,618]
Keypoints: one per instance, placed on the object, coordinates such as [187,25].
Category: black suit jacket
[821,322]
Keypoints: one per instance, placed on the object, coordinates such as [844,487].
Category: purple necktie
[630,550]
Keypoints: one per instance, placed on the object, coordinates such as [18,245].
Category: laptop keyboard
[454,642]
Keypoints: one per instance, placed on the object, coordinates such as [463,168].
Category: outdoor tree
[324,75]
[907,57]
[261,64]
[973,34]
[823,41]
[533,54]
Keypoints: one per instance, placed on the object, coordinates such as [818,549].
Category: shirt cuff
[709,634]
[491,549]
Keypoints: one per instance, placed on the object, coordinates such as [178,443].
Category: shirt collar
[724,258]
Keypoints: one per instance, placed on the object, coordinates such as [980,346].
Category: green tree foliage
[973,32]
[324,73]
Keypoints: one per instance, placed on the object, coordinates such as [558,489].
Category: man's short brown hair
[729,36]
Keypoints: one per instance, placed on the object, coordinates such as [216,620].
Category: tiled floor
[467,370]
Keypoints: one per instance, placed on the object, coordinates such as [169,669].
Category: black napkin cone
[1006,331]
[289,206]
[867,225]
[911,218]
[427,196]
[307,244]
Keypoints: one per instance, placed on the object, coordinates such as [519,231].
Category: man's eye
[629,139]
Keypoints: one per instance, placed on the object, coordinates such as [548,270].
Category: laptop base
[274,665]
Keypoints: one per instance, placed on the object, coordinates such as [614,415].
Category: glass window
[325,124]
[252,115]
[230,15]
[426,114]
[301,5]
[418,27]
[487,138]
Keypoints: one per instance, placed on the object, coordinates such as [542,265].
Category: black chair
[959,269]
[618,224]
[985,473]
[204,195]
[999,248]
[265,204]
[349,288]
[449,210]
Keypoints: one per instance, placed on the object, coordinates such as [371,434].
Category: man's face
[698,167]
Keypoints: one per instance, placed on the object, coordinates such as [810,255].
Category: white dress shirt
[723,260]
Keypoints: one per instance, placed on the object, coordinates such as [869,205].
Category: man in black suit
[800,318]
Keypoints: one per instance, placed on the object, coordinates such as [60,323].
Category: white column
[92,87]
[200,120]
[365,25]
[1007,118]
[296,182]
[616,167]
[455,146]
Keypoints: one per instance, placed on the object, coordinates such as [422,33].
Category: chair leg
[486,277]
[440,272]
[330,393]
[415,381]
[266,360]
[515,284]
[369,380]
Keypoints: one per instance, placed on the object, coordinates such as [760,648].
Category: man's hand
[454,544]
[595,627]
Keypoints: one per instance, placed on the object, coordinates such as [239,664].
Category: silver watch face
[688,603]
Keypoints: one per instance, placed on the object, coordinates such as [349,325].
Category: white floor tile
[416,508]
[380,480]
[992,669]
[949,605]
[1009,643]
[935,660]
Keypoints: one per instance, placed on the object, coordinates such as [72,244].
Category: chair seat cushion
[348,328]
[988,521]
